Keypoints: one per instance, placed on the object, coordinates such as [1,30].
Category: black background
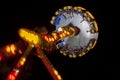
[101,62]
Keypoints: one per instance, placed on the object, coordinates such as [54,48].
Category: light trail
[48,65]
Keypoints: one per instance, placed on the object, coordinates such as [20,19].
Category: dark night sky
[97,63]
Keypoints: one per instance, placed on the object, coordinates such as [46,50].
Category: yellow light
[80,55]
[64,53]
[88,18]
[65,8]
[54,33]
[74,56]
[69,7]
[51,21]
[75,8]
[55,36]
[52,39]
[81,8]
[53,17]
[85,14]
[65,31]
[59,77]
[61,35]
[96,26]
[88,48]
[90,14]
[68,33]
[56,73]
[56,13]
[28,35]
[94,44]
[60,9]
[70,56]
[61,51]
[92,31]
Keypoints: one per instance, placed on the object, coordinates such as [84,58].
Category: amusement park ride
[76,33]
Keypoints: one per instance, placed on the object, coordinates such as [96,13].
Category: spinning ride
[75,34]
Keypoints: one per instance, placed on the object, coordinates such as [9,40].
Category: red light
[13,75]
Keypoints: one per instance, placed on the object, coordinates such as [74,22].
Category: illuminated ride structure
[75,34]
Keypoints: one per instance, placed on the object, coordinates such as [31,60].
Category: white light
[60,29]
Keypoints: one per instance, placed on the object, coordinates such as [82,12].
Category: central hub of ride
[82,28]
[72,30]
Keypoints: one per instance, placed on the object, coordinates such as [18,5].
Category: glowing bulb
[11,77]
[59,77]
[0,57]
[20,51]
[69,7]
[55,72]
[22,61]
[60,29]
[65,8]
[13,48]
[29,35]
[7,49]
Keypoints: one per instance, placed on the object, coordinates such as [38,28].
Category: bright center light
[60,29]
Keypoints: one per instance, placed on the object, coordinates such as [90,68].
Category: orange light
[49,40]
[52,39]
[65,31]
[0,57]
[7,49]
[46,38]
[12,48]
[57,74]
[20,51]
[63,34]
[55,37]
[22,61]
